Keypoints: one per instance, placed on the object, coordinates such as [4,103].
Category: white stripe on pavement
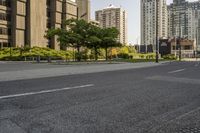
[176,71]
[45,91]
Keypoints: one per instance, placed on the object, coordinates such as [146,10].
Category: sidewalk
[191,59]
[37,72]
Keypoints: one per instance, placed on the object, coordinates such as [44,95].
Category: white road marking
[176,71]
[175,79]
[45,91]
[188,113]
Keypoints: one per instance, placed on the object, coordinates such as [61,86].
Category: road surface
[160,99]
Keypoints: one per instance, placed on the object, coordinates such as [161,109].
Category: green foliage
[142,56]
[109,39]
[21,53]
[79,33]
[124,50]
[132,49]
[169,57]
[123,56]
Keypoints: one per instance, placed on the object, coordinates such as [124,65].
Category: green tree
[73,33]
[78,33]
[94,39]
[79,30]
[64,36]
[109,39]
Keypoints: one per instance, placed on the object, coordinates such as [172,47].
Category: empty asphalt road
[159,99]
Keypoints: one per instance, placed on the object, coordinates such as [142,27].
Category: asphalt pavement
[163,98]
[10,71]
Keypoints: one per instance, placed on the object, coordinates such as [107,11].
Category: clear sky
[133,9]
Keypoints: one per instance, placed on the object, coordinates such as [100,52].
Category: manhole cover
[189,130]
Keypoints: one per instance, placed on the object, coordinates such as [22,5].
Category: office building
[148,21]
[24,22]
[114,17]
[84,9]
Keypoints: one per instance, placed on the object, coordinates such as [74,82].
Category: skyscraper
[178,21]
[114,17]
[148,21]
[184,20]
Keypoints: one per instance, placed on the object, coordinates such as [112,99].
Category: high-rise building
[84,9]
[178,21]
[24,22]
[114,17]
[184,20]
[148,21]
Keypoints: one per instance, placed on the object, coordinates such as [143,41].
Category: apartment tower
[113,17]
[148,21]
[184,20]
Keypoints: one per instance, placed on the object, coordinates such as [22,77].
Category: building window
[48,2]
[5,31]
[4,44]
[48,24]
[5,17]
[5,3]
[48,13]
[187,47]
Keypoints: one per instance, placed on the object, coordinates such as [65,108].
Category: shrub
[150,56]
[123,55]
[11,58]
[18,54]
[142,56]
[169,57]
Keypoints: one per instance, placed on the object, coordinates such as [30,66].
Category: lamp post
[197,41]
[180,34]
[157,52]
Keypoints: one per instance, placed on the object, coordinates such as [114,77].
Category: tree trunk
[78,55]
[96,53]
[106,49]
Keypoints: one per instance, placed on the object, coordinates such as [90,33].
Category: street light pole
[180,35]
[157,31]
[197,32]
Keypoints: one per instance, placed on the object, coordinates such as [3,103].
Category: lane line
[45,91]
[178,118]
[188,113]
[176,71]
[175,79]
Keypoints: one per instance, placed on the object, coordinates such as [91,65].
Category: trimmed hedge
[169,57]
[18,54]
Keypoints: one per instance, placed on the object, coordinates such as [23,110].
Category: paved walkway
[22,71]
[191,59]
